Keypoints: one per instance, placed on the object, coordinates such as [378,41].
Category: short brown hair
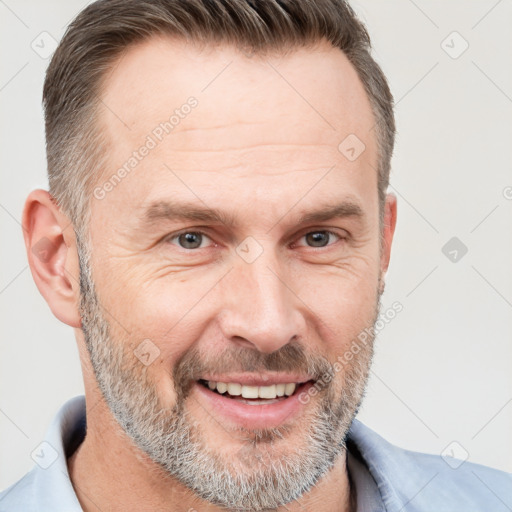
[93,41]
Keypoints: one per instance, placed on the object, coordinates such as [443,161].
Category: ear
[388,230]
[52,255]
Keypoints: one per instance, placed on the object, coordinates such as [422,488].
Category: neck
[109,472]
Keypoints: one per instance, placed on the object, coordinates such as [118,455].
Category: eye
[189,240]
[320,238]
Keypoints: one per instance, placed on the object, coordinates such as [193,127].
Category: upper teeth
[235,389]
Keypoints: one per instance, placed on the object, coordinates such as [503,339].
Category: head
[224,168]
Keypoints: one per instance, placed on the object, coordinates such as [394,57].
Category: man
[219,242]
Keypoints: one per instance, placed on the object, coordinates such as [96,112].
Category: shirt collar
[367,495]
[53,489]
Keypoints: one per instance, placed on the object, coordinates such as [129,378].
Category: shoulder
[417,482]
[48,486]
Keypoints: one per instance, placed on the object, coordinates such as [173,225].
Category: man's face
[243,248]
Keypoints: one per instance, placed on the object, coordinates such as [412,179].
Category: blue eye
[319,238]
[190,240]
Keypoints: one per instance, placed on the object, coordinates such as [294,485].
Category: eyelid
[172,236]
[325,230]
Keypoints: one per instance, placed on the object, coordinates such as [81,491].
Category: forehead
[282,118]
[153,76]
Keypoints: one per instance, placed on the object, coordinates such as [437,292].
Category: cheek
[157,321]
[158,303]
[340,306]
[166,317]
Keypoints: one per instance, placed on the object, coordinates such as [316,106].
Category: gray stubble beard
[255,479]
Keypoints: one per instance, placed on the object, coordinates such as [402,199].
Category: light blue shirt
[386,478]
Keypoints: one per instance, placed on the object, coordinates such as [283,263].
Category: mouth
[251,405]
[253,395]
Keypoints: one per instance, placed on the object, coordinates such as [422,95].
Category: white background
[442,370]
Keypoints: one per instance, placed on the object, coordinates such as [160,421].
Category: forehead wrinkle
[246,147]
[238,172]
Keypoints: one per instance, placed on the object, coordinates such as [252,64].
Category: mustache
[292,357]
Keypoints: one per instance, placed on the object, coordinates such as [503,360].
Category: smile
[235,389]
[250,405]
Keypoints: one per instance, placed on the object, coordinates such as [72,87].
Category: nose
[261,311]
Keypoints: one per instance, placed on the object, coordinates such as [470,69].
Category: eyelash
[202,233]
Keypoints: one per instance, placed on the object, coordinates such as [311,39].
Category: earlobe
[51,250]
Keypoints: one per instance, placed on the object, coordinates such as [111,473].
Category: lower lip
[253,416]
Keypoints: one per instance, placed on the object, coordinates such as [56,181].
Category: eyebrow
[168,211]
[341,210]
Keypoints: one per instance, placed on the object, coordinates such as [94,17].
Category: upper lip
[258,379]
